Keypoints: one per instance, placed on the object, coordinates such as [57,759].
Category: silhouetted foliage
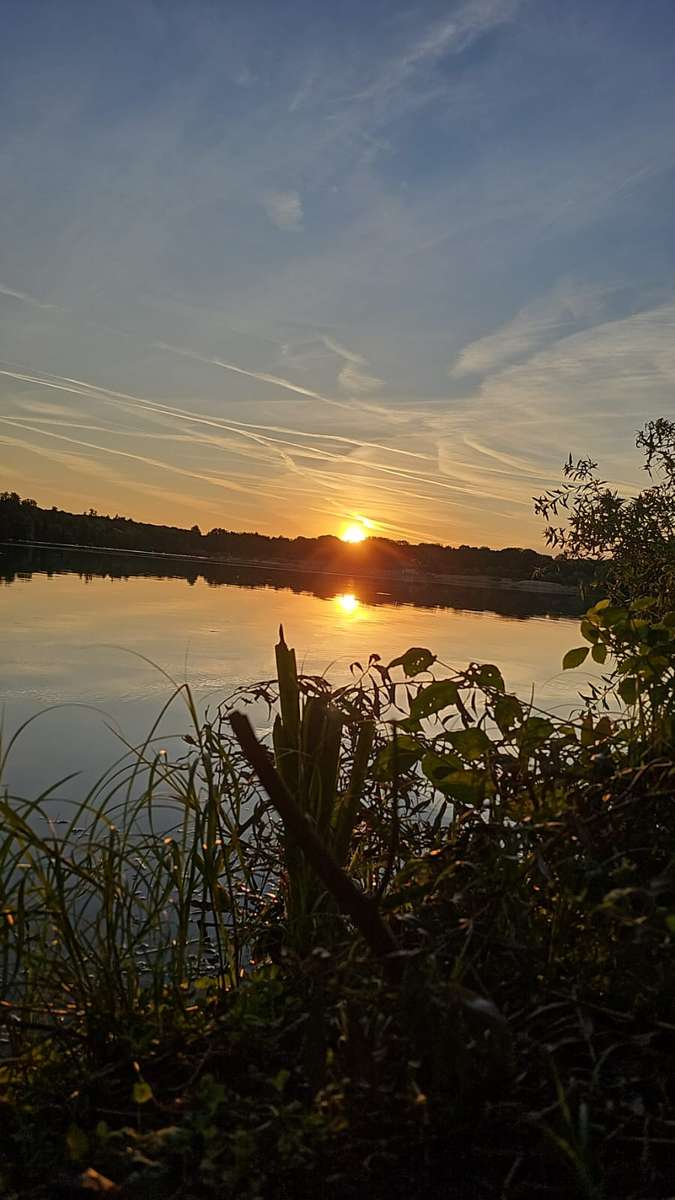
[20,561]
[636,535]
[24,520]
[191,1008]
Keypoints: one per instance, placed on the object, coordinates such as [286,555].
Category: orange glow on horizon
[356,532]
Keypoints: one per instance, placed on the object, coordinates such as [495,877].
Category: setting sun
[354,533]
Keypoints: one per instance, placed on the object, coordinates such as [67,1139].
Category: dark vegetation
[419,946]
[20,562]
[24,520]
[633,537]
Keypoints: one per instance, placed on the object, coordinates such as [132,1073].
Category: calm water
[73,630]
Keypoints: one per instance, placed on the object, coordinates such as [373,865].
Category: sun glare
[354,533]
[347,602]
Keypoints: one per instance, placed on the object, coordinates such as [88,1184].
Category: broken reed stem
[350,899]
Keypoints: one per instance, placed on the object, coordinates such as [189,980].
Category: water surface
[79,635]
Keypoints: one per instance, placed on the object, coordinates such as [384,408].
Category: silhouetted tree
[24,521]
[635,536]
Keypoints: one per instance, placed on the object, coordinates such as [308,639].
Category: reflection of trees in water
[21,562]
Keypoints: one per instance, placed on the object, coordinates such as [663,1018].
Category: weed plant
[188,1011]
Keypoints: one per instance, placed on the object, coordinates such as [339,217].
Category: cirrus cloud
[353,379]
[284,210]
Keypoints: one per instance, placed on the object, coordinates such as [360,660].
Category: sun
[354,533]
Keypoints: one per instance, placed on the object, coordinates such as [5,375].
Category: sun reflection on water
[347,602]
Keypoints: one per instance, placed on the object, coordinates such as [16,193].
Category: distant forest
[23,520]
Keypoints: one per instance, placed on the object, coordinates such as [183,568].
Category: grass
[191,1008]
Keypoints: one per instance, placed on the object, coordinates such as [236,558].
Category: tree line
[23,520]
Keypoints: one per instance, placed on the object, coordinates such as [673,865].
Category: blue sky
[269,265]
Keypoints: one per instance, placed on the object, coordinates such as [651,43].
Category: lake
[88,635]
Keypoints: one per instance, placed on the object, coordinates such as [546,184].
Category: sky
[269,265]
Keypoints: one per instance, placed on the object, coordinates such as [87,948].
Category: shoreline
[537,587]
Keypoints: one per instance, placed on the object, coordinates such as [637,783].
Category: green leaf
[210,1096]
[534,732]
[433,699]
[612,616]
[574,658]
[414,661]
[280,1080]
[628,690]
[589,631]
[141,1092]
[643,604]
[594,614]
[489,676]
[397,757]
[205,983]
[467,787]
[599,652]
[603,729]
[437,766]
[470,743]
[77,1143]
[508,712]
[669,620]
[670,922]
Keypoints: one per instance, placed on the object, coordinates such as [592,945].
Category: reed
[192,994]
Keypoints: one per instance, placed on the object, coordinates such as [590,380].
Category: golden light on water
[347,602]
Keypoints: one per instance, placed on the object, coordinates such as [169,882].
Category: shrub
[634,536]
[182,1016]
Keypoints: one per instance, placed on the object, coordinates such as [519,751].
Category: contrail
[508,460]
[92,391]
[261,376]
[23,297]
[217,481]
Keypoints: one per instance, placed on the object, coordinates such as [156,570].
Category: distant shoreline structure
[407,575]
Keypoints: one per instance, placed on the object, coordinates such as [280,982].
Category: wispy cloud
[23,297]
[518,466]
[91,391]
[353,379]
[167,467]
[297,457]
[260,376]
[93,469]
[403,270]
[44,408]
[589,390]
[303,92]
[452,34]
[545,320]
[337,347]
[284,210]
